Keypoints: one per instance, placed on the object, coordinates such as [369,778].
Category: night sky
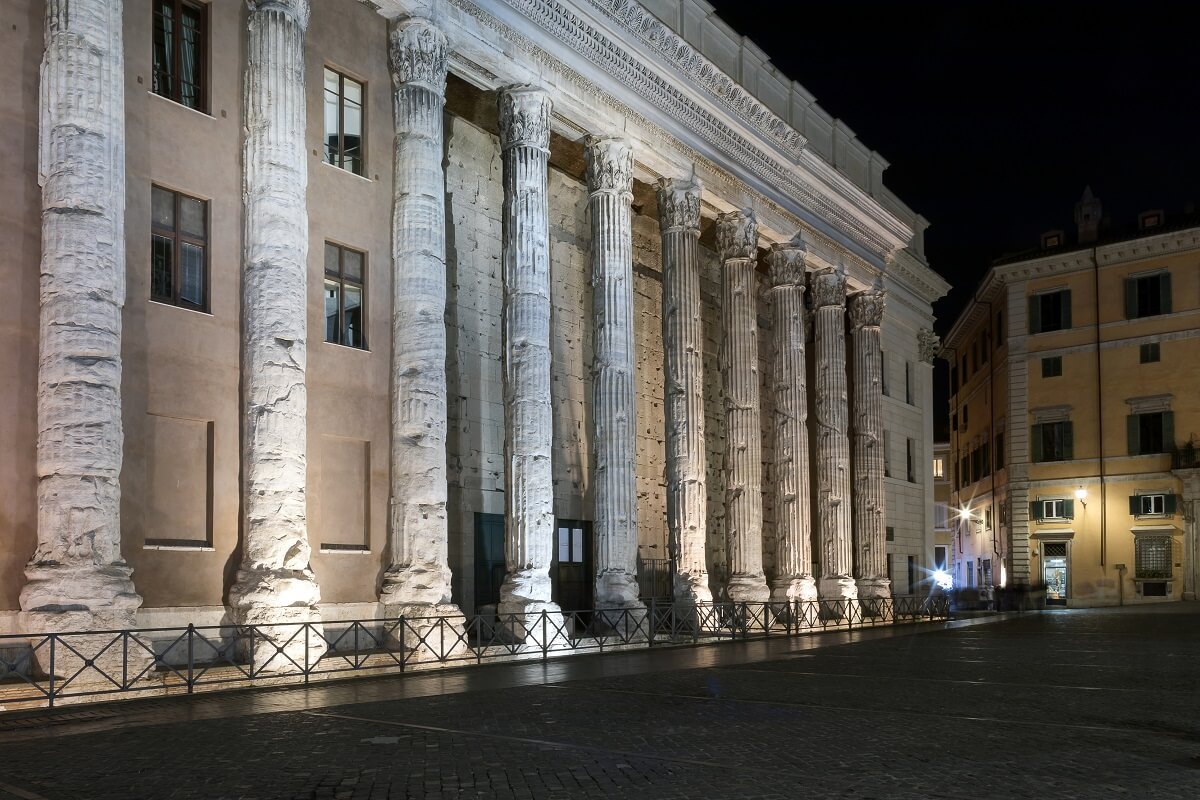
[994,118]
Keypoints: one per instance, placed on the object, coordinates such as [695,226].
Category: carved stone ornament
[866,308]
[828,288]
[296,9]
[609,164]
[524,117]
[737,235]
[417,52]
[679,204]
[787,262]
[928,344]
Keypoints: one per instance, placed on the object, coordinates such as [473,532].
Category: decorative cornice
[928,345]
[737,235]
[866,308]
[524,117]
[609,162]
[296,10]
[827,288]
[722,88]
[679,204]
[417,55]
[787,262]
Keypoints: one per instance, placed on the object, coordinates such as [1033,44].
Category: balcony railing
[45,669]
[1186,456]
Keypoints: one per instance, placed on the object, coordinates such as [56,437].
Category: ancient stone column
[828,289]
[528,432]
[416,585]
[610,187]
[683,351]
[77,578]
[275,583]
[793,507]
[737,240]
[870,542]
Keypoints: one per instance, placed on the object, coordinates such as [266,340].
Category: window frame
[1052,367]
[175,94]
[1066,439]
[1136,298]
[1146,572]
[1038,315]
[341,123]
[1149,353]
[178,239]
[342,280]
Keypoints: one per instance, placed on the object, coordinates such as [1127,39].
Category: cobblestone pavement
[1070,704]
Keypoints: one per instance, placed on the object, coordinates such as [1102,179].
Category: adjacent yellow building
[1075,407]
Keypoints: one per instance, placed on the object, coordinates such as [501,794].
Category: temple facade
[335,310]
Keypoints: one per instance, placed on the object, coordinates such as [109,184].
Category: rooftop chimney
[1087,216]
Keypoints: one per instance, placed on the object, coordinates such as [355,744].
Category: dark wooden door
[571,569]
[489,558]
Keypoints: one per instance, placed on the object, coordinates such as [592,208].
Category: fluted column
[870,541]
[793,508]
[77,578]
[610,186]
[529,491]
[737,240]
[683,351]
[832,446]
[417,583]
[275,583]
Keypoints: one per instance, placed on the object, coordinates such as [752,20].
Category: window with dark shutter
[1147,295]
[1150,433]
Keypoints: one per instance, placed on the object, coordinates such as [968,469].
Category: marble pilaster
[832,446]
[610,187]
[683,348]
[869,517]
[737,241]
[793,503]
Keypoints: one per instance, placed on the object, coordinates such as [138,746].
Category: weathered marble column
[77,579]
[737,240]
[683,351]
[417,582]
[275,583]
[793,506]
[610,187]
[870,542]
[828,289]
[528,432]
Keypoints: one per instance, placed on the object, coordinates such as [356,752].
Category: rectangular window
[1056,508]
[1152,556]
[941,516]
[912,574]
[911,455]
[345,282]
[1150,433]
[1050,311]
[1152,505]
[1053,441]
[964,416]
[1052,367]
[965,373]
[953,379]
[999,328]
[1147,295]
[939,557]
[939,468]
[890,533]
[180,52]
[970,573]
[985,461]
[1148,353]
[345,138]
[908,383]
[964,469]
[889,568]
[954,421]
[178,249]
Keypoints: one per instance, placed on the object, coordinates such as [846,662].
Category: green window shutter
[1068,433]
[1035,314]
[1168,425]
[1135,505]
[1169,504]
[1035,510]
[1133,434]
[1164,288]
[1035,437]
[1069,509]
[1066,308]
[1130,298]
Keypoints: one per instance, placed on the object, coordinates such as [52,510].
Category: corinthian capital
[828,288]
[609,164]
[866,308]
[296,10]
[737,235]
[524,117]
[417,52]
[787,262]
[928,343]
[679,204]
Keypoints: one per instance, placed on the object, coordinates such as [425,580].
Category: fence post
[545,641]
[403,640]
[652,623]
[306,667]
[124,659]
[191,678]
[53,636]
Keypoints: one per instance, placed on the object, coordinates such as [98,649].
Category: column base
[839,597]
[874,596]
[1188,596]
[415,585]
[748,589]
[691,588]
[89,660]
[536,624]
[281,606]
[427,632]
[801,589]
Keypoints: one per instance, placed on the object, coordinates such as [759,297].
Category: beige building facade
[1074,416]
[379,311]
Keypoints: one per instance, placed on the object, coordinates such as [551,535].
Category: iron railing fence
[50,668]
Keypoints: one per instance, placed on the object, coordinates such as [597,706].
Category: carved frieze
[524,117]
[737,235]
[609,164]
[787,262]
[866,308]
[417,52]
[679,204]
[828,287]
